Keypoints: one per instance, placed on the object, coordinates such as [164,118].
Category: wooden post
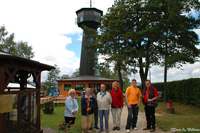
[19,113]
[2,88]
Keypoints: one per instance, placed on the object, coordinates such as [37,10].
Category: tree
[52,77]
[109,43]
[106,71]
[177,39]
[23,50]
[65,76]
[7,43]
[20,48]
[141,33]
[125,38]
[76,73]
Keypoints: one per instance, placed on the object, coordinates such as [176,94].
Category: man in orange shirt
[133,98]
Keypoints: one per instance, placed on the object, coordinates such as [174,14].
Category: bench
[44,100]
[59,99]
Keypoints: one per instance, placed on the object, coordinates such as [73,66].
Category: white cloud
[80,38]
[157,73]
[196,72]
[42,24]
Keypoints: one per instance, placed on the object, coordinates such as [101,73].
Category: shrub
[183,91]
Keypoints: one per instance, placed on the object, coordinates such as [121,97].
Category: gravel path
[141,123]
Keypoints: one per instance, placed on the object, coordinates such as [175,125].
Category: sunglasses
[72,93]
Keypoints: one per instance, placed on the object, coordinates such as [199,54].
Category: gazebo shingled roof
[11,58]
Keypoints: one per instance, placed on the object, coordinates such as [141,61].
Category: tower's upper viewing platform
[89,17]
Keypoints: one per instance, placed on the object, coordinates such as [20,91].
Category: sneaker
[107,131]
[118,128]
[96,127]
[135,128]
[128,130]
[90,128]
[114,128]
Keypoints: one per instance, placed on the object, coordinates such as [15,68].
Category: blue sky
[75,45]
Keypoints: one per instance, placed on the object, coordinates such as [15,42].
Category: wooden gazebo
[20,107]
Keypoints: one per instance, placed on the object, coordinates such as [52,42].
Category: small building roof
[89,78]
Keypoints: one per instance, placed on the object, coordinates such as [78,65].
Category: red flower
[70,121]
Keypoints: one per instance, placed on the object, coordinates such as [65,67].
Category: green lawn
[185,116]
[53,120]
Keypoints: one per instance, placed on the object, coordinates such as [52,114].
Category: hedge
[183,91]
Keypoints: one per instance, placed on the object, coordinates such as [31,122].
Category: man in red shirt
[150,94]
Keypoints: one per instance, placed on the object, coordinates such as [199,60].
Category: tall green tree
[7,44]
[125,37]
[177,40]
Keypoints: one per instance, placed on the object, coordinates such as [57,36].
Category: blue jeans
[96,114]
[96,117]
[132,116]
[104,113]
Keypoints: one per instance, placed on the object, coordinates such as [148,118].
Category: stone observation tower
[89,17]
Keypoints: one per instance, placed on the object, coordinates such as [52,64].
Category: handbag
[153,103]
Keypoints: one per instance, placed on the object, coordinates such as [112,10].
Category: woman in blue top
[71,107]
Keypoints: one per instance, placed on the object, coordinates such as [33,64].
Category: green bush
[183,91]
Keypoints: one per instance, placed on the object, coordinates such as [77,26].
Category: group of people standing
[98,104]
